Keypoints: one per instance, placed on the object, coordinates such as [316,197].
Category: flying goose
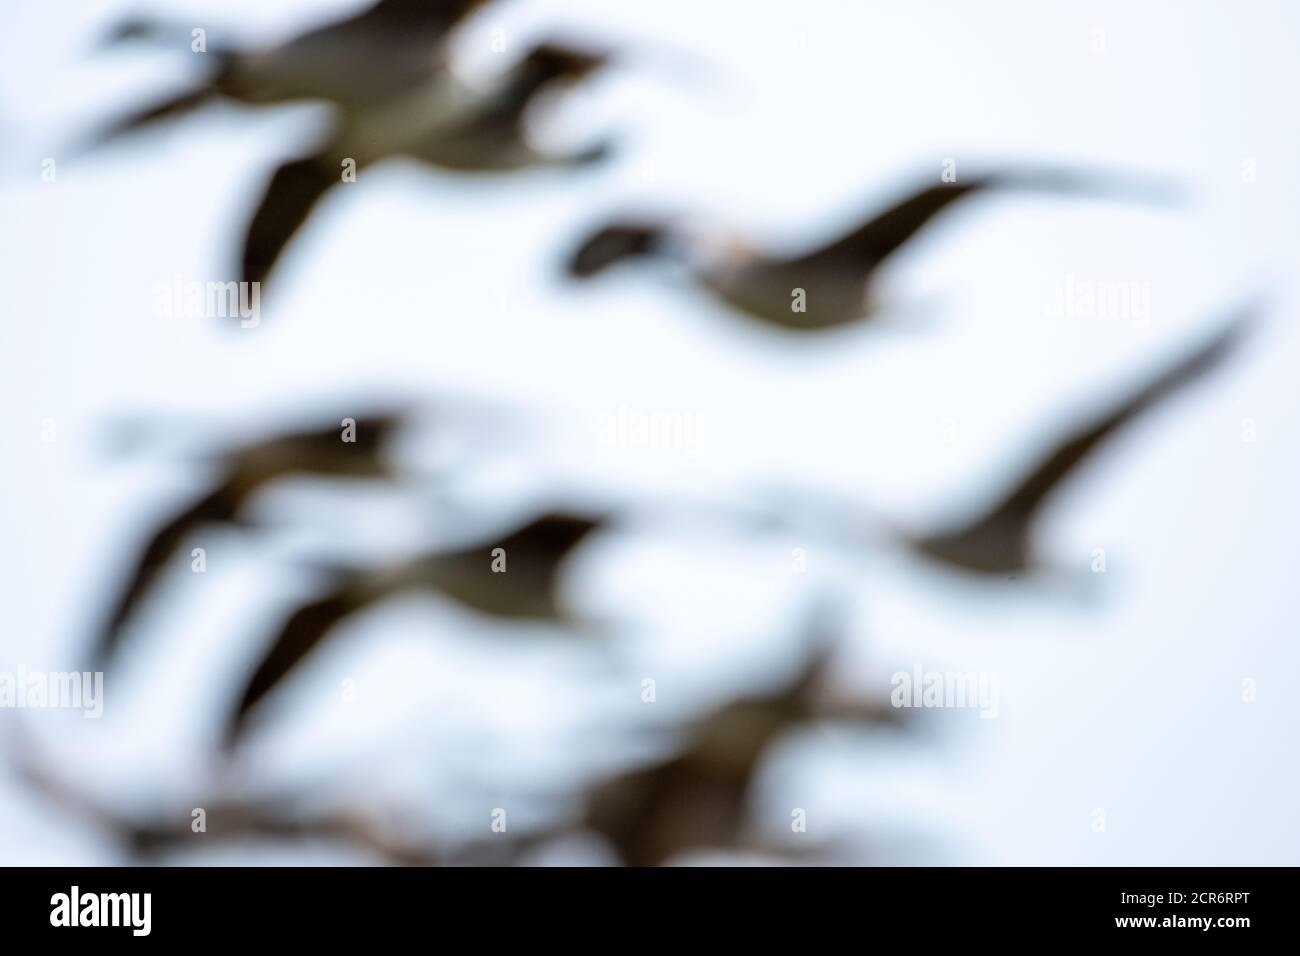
[516,576]
[835,279]
[244,471]
[997,541]
[455,127]
[390,49]
[697,798]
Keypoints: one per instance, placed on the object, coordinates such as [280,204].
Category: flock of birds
[388,74]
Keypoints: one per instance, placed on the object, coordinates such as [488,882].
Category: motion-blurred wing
[298,637]
[886,232]
[1062,460]
[290,197]
[166,541]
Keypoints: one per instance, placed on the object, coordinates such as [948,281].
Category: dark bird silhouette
[244,471]
[697,799]
[824,288]
[998,540]
[460,129]
[387,51]
[281,816]
[519,581]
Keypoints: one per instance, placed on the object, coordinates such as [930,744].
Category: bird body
[996,547]
[791,295]
[356,64]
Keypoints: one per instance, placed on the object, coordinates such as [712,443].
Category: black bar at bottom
[335,906]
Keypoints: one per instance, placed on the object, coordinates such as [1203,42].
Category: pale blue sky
[413,282]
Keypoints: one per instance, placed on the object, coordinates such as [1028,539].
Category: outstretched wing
[1061,461]
[885,232]
[300,634]
[215,506]
[289,199]
[889,230]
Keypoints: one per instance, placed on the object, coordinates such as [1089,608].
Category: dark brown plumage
[288,200]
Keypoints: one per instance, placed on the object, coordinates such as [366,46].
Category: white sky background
[415,282]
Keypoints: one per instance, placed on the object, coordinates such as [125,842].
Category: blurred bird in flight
[463,128]
[515,577]
[243,472]
[697,799]
[998,540]
[829,286]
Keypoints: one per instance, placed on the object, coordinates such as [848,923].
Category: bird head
[553,60]
[130,30]
[619,241]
